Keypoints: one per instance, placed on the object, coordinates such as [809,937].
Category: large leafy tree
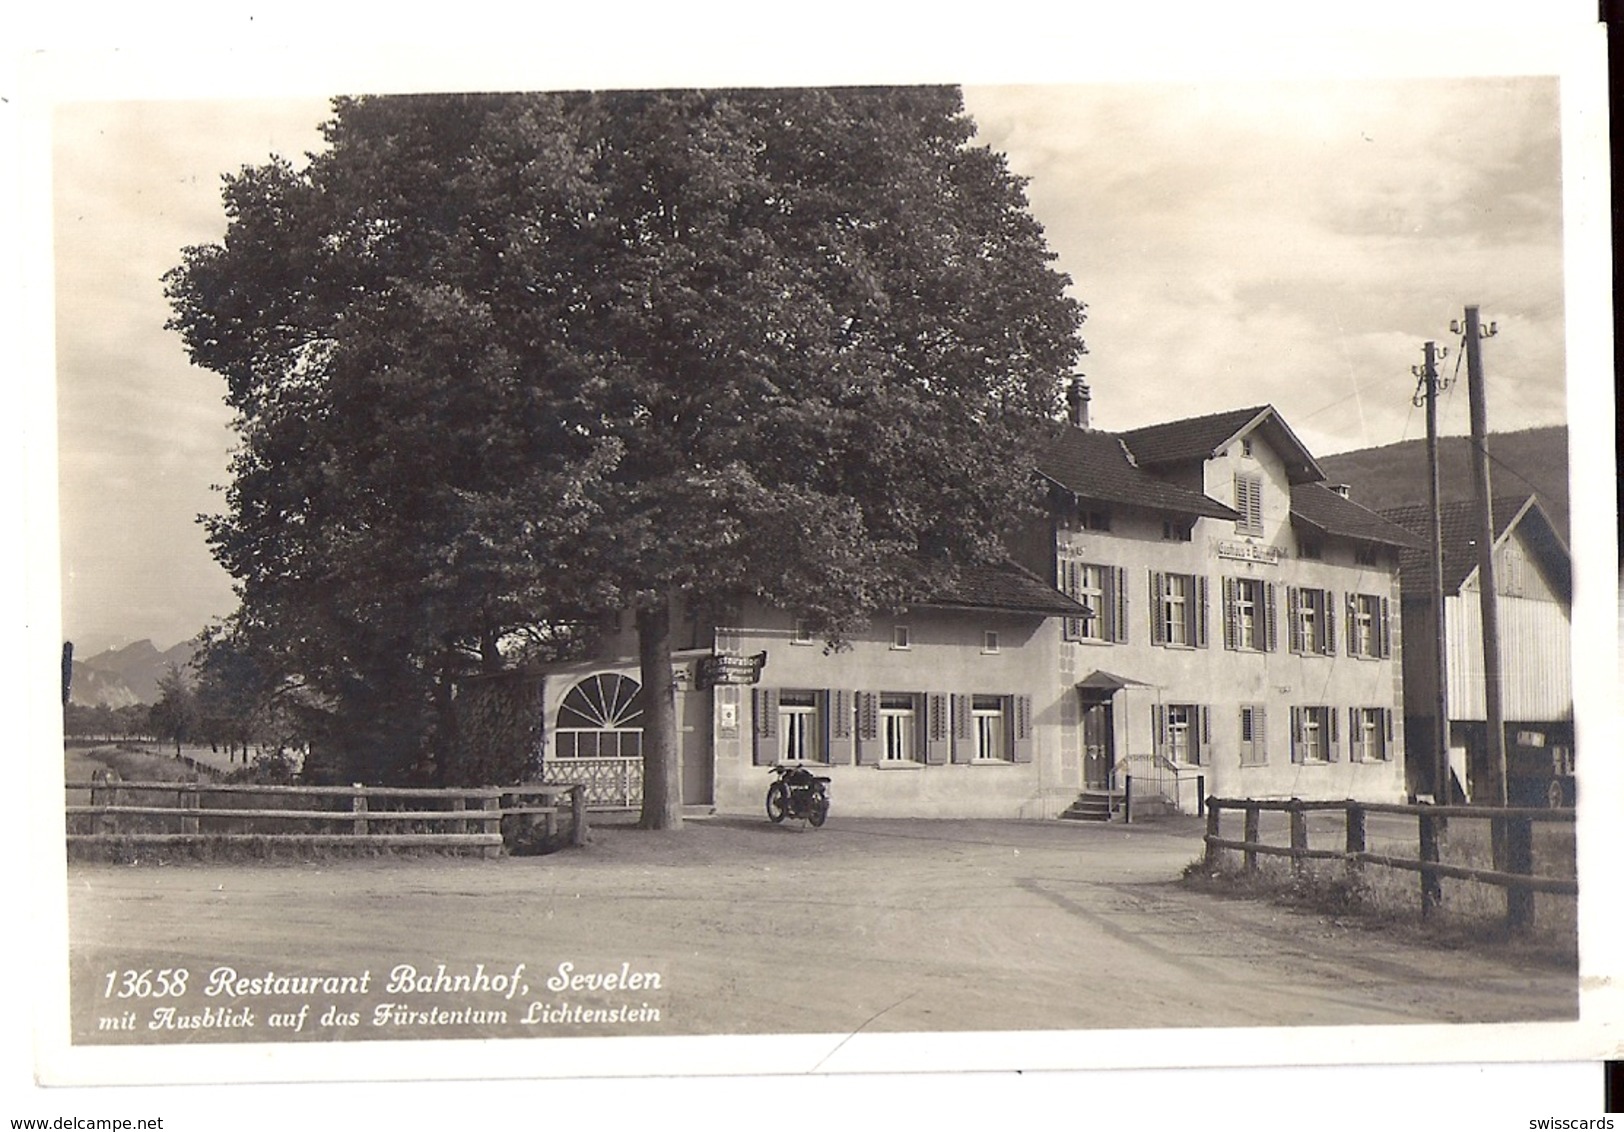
[505,359]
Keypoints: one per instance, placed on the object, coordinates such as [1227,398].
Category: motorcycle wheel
[817,810]
[777,802]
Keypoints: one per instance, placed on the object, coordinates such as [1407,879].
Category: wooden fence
[192,812]
[1512,830]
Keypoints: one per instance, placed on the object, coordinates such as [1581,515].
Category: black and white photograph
[629,571]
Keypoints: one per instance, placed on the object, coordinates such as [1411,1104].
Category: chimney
[1077,399]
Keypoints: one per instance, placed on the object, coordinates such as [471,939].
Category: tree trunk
[662,780]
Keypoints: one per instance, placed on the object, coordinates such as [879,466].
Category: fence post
[1251,838]
[1299,834]
[491,807]
[1200,794]
[1432,893]
[189,800]
[358,805]
[1355,844]
[459,804]
[1127,799]
[1520,860]
[1212,834]
[577,816]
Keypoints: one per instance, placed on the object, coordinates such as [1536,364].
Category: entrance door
[1097,752]
[694,748]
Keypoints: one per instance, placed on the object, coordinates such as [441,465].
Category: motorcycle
[798,793]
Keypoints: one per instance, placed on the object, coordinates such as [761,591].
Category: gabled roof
[1201,438]
[1319,508]
[1006,588]
[1097,466]
[1458,522]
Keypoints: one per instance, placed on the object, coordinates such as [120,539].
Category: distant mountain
[128,675]
[1532,460]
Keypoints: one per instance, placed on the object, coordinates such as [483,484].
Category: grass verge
[1388,901]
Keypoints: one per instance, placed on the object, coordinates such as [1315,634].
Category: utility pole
[1487,591]
[1430,387]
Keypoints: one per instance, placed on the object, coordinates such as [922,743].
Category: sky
[1236,243]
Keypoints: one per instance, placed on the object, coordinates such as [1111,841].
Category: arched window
[601,718]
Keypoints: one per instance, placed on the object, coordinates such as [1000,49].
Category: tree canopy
[501,361]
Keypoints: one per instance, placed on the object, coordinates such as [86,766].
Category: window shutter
[1296,734]
[1353,623]
[1203,750]
[1356,736]
[839,726]
[1294,619]
[1158,729]
[1158,596]
[1021,729]
[1073,628]
[1384,637]
[1333,744]
[1119,591]
[1201,612]
[964,747]
[766,726]
[937,735]
[1232,629]
[1260,735]
[1270,636]
[868,728]
[1328,619]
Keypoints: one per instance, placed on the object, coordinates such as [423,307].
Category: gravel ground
[897,926]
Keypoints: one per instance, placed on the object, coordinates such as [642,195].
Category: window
[1313,621]
[1313,734]
[900,638]
[1177,530]
[800,733]
[1096,520]
[1310,548]
[1254,736]
[1180,733]
[801,725]
[1367,555]
[1249,502]
[1101,590]
[1178,609]
[1246,446]
[1368,629]
[1249,615]
[1370,734]
[989,641]
[899,728]
[601,717]
[802,634]
[989,728]
[1511,572]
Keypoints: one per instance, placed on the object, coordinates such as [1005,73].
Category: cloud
[1295,243]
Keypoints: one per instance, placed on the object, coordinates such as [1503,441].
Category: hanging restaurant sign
[730,668]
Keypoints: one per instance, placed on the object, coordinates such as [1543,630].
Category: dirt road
[899,925]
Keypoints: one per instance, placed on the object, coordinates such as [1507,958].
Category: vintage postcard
[576,571]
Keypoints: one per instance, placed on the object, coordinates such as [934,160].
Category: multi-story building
[1245,632]
[1198,605]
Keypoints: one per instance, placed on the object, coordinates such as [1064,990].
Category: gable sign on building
[1248,552]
